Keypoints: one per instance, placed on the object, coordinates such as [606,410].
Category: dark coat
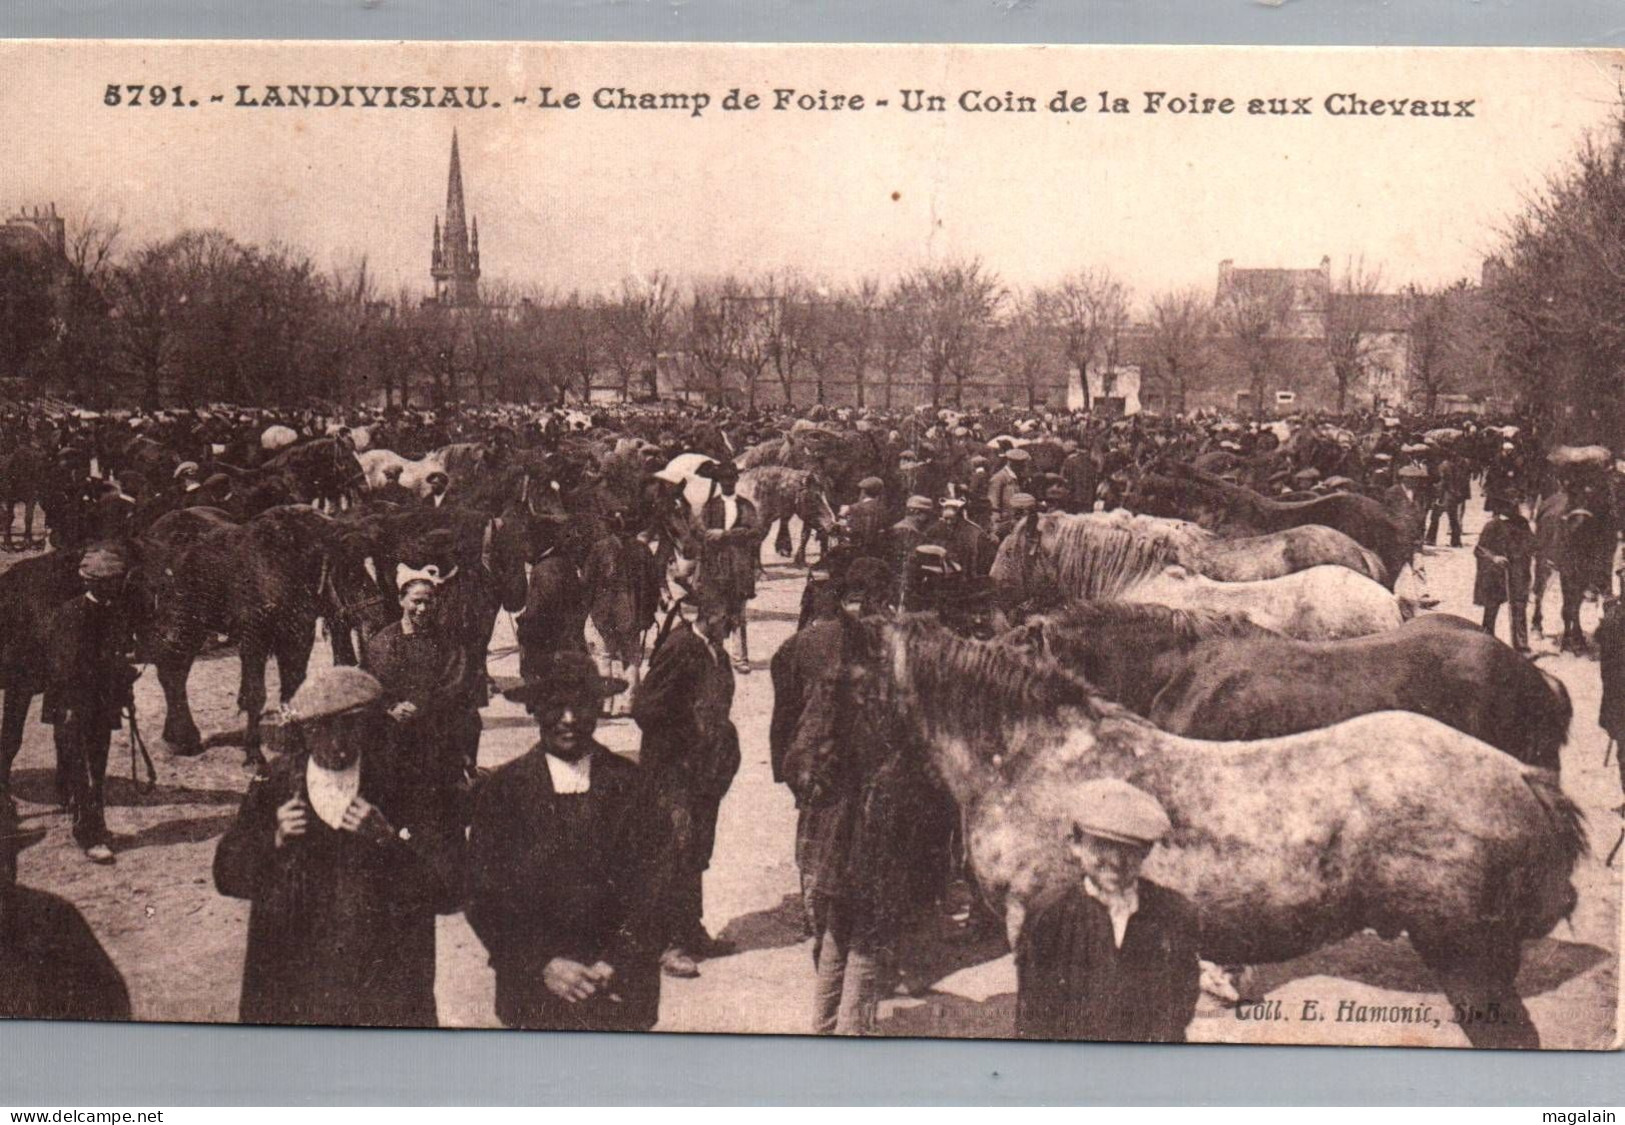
[88,670]
[574,876]
[341,930]
[555,614]
[622,581]
[51,965]
[969,547]
[429,672]
[727,570]
[682,706]
[1610,638]
[868,521]
[859,799]
[1511,539]
[1072,982]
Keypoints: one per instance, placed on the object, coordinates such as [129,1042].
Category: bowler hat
[1115,810]
[718,470]
[1023,502]
[919,504]
[568,677]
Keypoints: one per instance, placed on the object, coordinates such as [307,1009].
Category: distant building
[455,262]
[36,232]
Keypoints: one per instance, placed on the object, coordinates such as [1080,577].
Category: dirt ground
[180,945]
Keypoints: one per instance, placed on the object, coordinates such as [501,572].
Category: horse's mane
[775,451]
[972,689]
[1099,557]
[1187,626]
[776,477]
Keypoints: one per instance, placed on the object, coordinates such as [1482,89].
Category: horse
[24,474]
[377,466]
[1321,603]
[1234,512]
[1126,650]
[1577,540]
[1210,676]
[259,583]
[1095,547]
[1392,821]
[623,586]
[780,493]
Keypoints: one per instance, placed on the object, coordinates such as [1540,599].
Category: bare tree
[651,307]
[1027,345]
[1089,310]
[1352,320]
[1430,328]
[1180,343]
[950,309]
[710,334]
[1253,310]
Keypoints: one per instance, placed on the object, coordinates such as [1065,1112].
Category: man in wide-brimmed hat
[346,858]
[726,578]
[1115,957]
[90,642]
[567,867]
[52,967]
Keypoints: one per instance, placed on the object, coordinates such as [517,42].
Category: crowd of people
[581,872]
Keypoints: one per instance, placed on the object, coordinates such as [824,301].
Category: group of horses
[1331,762]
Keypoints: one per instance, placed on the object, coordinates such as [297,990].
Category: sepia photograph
[1058,543]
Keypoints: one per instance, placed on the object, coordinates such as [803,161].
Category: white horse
[1323,603]
[380,464]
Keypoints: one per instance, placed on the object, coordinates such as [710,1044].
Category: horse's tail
[1539,890]
[1550,715]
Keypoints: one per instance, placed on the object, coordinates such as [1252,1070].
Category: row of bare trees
[202,316]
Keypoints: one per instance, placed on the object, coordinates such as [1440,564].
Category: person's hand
[292,819]
[571,981]
[403,711]
[366,819]
[714,535]
[1498,560]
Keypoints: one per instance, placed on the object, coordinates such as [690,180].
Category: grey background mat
[153,1065]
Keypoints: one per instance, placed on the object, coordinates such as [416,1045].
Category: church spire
[455,264]
[455,222]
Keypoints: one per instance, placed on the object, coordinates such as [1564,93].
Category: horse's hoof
[254,758]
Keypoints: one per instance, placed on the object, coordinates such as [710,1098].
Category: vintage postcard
[1056,543]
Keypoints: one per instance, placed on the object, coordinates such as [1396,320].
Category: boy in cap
[1115,957]
[90,641]
[567,866]
[346,862]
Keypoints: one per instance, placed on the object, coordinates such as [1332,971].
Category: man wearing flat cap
[1003,486]
[1115,956]
[905,535]
[867,521]
[567,867]
[90,642]
[52,967]
[969,547]
[345,862]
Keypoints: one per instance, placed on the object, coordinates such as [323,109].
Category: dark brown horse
[1202,676]
[1235,512]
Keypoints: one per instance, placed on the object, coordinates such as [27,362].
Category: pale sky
[579,198]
